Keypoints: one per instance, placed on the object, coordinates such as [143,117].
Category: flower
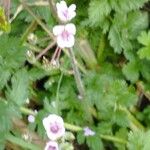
[54,126]
[65,35]
[65,13]
[88,132]
[51,145]
[31,118]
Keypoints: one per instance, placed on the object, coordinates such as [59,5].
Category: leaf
[131,71]
[144,39]
[18,93]
[94,143]
[139,140]
[98,11]
[126,5]
[12,56]
[115,39]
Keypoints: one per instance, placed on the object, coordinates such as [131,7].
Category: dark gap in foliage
[143,103]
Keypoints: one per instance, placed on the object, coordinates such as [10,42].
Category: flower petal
[72,14]
[60,42]
[70,42]
[72,7]
[61,6]
[57,30]
[62,17]
[71,28]
[51,145]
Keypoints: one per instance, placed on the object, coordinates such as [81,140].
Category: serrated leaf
[131,71]
[115,39]
[126,5]
[139,140]
[18,93]
[12,56]
[93,144]
[98,10]
[144,39]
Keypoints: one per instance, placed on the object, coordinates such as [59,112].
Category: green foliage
[12,57]
[112,52]
[131,71]
[139,140]
[4,25]
[144,39]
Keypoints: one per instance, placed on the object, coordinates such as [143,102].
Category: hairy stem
[76,74]
[45,50]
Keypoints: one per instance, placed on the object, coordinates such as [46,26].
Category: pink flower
[51,145]
[65,13]
[65,35]
[54,126]
[88,132]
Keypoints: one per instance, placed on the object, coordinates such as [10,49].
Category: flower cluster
[54,126]
[65,33]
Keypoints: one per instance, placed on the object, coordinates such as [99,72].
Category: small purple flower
[51,145]
[88,132]
[54,126]
[31,118]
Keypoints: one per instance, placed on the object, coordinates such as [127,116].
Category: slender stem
[57,93]
[55,54]
[37,19]
[45,50]
[113,139]
[27,111]
[76,74]
[31,27]
[21,142]
[75,128]
[134,123]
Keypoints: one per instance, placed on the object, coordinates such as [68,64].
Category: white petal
[72,14]
[71,28]
[61,6]
[46,123]
[72,7]
[70,42]
[57,30]
[60,42]
[61,16]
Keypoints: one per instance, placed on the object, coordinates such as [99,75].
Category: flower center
[65,35]
[51,148]
[54,128]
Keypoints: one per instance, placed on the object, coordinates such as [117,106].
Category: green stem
[28,30]
[37,19]
[73,127]
[134,123]
[22,143]
[105,137]
[113,139]
[57,93]
[76,74]
[27,111]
